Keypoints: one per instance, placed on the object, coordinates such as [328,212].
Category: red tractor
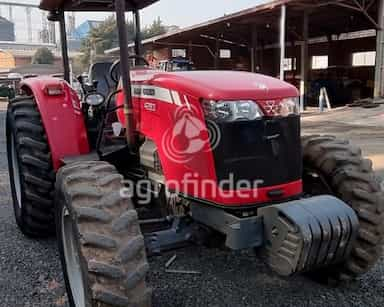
[164,159]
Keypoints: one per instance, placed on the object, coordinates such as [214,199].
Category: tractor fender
[61,116]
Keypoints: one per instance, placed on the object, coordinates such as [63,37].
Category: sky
[173,12]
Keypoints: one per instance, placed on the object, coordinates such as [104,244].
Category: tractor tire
[341,170]
[101,247]
[31,173]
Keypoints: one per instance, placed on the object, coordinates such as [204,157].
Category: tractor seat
[100,72]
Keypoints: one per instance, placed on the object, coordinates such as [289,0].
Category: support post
[190,51]
[282,39]
[29,23]
[252,51]
[52,32]
[10,13]
[304,62]
[125,71]
[253,48]
[261,56]
[217,53]
[64,46]
[379,66]
[138,50]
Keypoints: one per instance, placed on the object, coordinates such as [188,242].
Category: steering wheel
[115,70]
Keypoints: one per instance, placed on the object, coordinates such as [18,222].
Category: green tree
[43,56]
[156,28]
[101,38]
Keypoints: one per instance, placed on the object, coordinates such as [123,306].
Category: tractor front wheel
[335,167]
[100,242]
[32,177]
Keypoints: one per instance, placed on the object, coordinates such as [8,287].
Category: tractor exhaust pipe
[125,72]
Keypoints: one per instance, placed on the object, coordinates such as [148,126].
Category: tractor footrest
[309,233]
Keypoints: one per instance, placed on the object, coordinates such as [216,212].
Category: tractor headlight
[289,106]
[230,111]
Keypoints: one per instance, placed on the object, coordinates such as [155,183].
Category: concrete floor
[363,127]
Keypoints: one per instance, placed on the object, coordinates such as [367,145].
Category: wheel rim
[16,172]
[72,260]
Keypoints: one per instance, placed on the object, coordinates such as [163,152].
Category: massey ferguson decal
[271,107]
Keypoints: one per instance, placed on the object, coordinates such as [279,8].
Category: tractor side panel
[62,118]
[177,126]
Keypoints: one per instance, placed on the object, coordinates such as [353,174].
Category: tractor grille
[267,149]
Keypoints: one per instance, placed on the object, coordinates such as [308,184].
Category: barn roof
[326,17]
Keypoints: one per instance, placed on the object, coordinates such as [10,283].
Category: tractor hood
[224,85]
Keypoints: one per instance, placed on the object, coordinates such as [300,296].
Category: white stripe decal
[154,92]
[176,98]
[187,102]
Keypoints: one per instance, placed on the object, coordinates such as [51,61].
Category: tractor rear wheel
[333,166]
[32,177]
[100,242]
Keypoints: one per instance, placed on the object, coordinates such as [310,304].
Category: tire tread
[36,167]
[116,260]
[352,180]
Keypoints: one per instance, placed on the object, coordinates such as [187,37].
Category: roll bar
[56,13]
[125,69]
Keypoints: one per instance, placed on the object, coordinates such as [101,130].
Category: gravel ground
[29,269]
[31,275]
